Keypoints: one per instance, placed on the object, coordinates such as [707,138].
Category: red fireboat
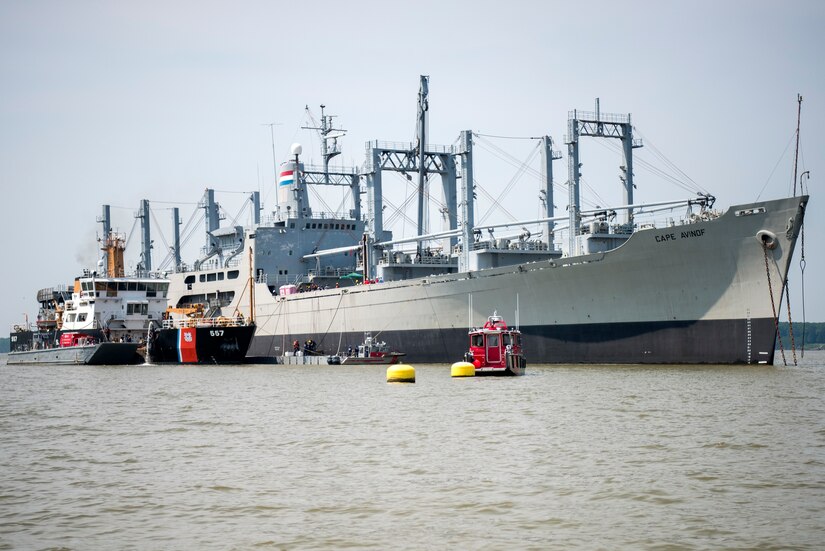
[495,349]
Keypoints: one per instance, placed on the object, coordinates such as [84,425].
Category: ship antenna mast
[421,138]
[796,155]
[328,151]
[272,126]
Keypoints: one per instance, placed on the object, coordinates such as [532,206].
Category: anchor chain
[773,304]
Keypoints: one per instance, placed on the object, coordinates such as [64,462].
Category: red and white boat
[495,349]
[372,352]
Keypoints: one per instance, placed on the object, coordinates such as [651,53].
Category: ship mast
[421,125]
[251,290]
[324,130]
[796,155]
[106,220]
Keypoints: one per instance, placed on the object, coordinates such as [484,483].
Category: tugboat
[372,352]
[190,334]
[495,349]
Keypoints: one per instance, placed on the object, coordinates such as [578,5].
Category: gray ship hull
[107,353]
[693,293]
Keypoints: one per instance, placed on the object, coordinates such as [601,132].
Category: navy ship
[701,287]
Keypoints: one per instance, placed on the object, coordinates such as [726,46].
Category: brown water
[282,457]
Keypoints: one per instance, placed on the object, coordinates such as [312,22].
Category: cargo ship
[701,286]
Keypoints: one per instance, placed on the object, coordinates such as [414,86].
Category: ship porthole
[768,238]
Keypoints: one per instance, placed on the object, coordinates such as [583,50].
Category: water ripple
[277,457]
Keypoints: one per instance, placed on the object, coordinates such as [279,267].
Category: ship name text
[665,237]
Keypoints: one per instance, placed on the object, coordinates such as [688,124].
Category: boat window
[211,277]
[81,317]
[189,279]
[220,276]
[202,278]
[506,339]
[313,226]
[492,341]
[71,318]
[232,274]
[141,286]
[133,285]
[111,289]
[162,288]
[121,286]
[137,309]
[477,340]
[292,225]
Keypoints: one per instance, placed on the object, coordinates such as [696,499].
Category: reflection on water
[221,457]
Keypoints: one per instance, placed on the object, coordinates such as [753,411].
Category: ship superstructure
[108,302]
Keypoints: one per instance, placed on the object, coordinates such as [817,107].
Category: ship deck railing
[221,321]
[414,259]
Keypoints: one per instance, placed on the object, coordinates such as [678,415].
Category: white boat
[371,352]
[103,307]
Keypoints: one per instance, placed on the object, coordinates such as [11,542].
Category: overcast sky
[114,102]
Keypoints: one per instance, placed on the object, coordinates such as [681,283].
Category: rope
[507,137]
[790,322]
[773,304]
[332,319]
[802,264]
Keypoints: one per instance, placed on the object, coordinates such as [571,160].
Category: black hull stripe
[736,341]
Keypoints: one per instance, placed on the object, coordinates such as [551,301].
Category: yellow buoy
[463,369]
[401,373]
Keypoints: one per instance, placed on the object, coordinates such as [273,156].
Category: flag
[286,178]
